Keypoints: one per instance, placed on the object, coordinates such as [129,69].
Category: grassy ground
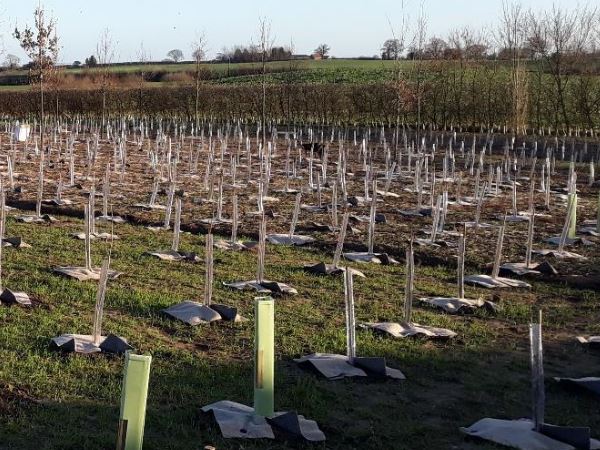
[49,400]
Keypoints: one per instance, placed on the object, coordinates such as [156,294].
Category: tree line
[533,70]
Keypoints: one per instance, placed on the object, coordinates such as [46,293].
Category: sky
[349,27]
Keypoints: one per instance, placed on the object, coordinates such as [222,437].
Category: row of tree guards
[346,177]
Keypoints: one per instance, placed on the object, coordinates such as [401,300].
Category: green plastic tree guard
[133,402]
[264,360]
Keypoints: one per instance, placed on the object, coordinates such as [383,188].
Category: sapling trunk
[350,320]
[572,198]
[106,192]
[435,219]
[444,212]
[154,192]
[340,240]
[220,199]
[537,373]
[409,288]
[100,296]
[460,272]
[547,196]
[480,197]
[169,206]
[59,190]
[498,255]
[262,233]
[598,215]
[566,226]
[87,231]
[260,197]
[529,238]
[234,219]
[208,262]
[310,168]
[11,178]
[295,215]
[176,226]
[92,211]
[40,191]
[390,174]
[514,198]
[319,196]
[371,235]
[334,200]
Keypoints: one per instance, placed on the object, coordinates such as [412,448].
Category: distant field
[223,67]
[304,71]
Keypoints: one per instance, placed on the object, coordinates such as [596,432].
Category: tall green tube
[572,210]
[133,402]
[264,358]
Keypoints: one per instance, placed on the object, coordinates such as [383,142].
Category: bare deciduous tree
[41,45]
[143,57]
[399,36]
[418,45]
[12,61]
[512,37]
[390,49]
[105,55]
[435,48]
[265,45]
[175,55]
[198,53]
[561,39]
[322,51]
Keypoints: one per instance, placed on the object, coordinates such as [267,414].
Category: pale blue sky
[350,27]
